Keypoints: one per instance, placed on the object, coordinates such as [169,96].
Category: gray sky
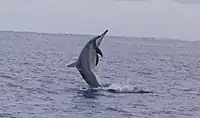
[159,18]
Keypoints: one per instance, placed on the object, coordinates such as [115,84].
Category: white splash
[125,87]
[121,88]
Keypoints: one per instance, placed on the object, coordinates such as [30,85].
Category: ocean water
[35,81]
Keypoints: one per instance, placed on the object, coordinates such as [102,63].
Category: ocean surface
[35,81]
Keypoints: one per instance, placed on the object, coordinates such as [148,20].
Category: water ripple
[35,82]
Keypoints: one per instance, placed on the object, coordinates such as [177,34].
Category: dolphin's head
[99,38]
[96,41]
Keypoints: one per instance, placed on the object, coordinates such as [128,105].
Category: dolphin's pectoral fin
[97,59]
[72,64]
[98,51]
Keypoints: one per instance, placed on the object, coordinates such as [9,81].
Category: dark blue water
[35,81]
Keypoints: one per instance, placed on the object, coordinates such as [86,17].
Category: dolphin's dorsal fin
[72,64]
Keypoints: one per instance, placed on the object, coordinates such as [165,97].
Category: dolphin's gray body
[88,59]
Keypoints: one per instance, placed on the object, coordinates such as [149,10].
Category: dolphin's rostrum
[88,59]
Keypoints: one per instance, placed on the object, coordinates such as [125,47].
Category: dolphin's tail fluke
[72,64]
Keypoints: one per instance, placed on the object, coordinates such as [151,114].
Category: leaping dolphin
[88,59]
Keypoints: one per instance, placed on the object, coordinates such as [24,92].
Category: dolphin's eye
[98,37]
